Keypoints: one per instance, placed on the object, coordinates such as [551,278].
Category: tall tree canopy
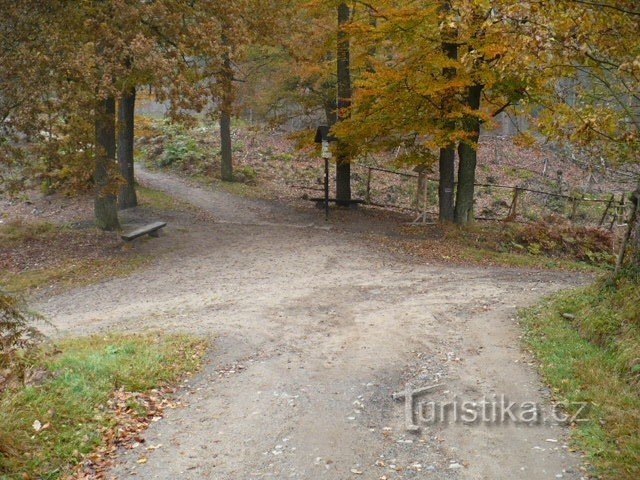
[421,74]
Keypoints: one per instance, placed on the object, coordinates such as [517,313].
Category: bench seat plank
[149,229]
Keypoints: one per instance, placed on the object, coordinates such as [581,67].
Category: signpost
[323,137]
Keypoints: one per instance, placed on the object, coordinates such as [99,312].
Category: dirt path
[313,330]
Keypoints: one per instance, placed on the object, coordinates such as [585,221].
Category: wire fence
[416,192]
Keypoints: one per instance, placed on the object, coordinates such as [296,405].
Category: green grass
[85,373]
[595,358]
[524,260]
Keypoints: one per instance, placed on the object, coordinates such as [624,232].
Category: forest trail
[312,332]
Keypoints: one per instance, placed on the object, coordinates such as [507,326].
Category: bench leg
[154,234]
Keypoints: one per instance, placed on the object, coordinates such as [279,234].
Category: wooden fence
[415,192]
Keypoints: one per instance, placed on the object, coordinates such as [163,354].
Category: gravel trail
[312,332]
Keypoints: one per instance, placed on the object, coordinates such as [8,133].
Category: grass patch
[75,273]
[523,260]
[160,200]
[594,356]
[18,231]
[243,190]
[71,406]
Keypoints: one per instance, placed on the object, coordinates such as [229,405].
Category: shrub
[179,149]
[556,236]
[246,174]
[17,333]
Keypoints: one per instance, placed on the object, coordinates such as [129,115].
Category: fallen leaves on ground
[132,414]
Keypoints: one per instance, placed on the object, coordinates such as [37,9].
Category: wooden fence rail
[616,210]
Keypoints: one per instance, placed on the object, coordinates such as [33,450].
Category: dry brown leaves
[129,424]
[54,246]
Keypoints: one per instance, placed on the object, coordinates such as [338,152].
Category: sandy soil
[313,329]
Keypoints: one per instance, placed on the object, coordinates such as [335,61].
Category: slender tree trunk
[126,109]
[343,164]
[467,154]
[105,206]
[225,147]
[447,154]
[636,256]
[225,120]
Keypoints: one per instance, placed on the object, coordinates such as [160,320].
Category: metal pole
[326,189]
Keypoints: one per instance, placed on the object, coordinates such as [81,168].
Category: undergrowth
[548,244]
[588,344]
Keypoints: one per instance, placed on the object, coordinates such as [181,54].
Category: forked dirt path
[313,330]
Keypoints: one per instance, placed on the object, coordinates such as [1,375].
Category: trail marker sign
[324,137]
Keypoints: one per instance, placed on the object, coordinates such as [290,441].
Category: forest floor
[313,327]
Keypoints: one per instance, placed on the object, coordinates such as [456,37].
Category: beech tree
[440,70]
[343,64]
[221,41]
[446,155]
[127,197]
[598,57]
[423,75]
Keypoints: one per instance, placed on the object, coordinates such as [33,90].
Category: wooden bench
[151,229]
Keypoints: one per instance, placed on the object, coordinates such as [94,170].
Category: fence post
[618,210]
[367,195]
[574,207]
[606,210]
[514,206]
[635,198]
[421,190]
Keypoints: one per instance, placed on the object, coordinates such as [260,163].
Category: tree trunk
[105,206]
[127,193]
[226,165]
[343,165]
[446,212]
[467,154]
[636,256]
[225,146]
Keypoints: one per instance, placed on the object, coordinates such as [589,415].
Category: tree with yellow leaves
[441,69]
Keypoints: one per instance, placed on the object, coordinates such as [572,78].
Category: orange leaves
[414,90]
[588,85]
